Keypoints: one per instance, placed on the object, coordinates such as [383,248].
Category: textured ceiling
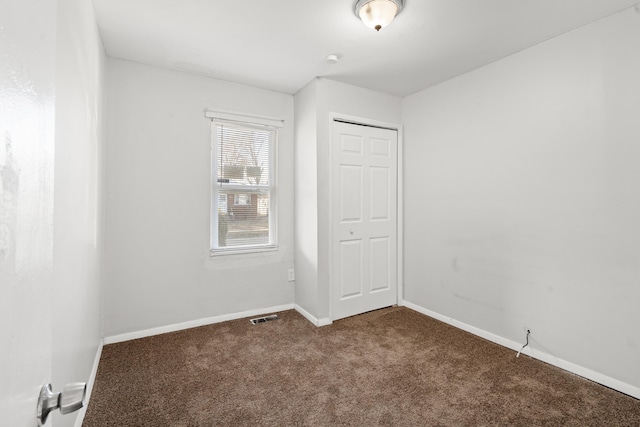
[282,44]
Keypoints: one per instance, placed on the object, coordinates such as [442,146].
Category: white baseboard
[90,382]
[194,324]
[536,354]
[325,321]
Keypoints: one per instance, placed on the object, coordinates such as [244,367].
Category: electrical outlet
[292,275]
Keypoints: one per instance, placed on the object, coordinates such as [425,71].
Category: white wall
[324,97]
[78,204]
[521,198]
[158,269]
[306,199]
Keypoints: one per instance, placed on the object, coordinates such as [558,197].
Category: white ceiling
[282,44]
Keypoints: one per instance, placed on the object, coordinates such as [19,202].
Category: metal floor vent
[263,319]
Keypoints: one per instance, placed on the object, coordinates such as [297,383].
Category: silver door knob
[70,399]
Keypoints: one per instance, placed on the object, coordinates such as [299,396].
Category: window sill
[255,250]
[248,258]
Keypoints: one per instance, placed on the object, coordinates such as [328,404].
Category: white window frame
[249,122]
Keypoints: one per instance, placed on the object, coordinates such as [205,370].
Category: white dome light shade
[377,14]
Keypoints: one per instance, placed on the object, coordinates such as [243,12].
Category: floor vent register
[263,319]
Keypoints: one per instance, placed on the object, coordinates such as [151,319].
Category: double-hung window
[243,165]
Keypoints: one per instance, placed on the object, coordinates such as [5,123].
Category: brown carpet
[392,367]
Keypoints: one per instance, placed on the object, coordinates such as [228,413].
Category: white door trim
[333,116]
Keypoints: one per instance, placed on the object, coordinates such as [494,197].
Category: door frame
[363,121]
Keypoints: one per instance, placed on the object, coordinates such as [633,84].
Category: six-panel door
[364,216]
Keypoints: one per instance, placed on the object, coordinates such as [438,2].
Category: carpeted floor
[392,367]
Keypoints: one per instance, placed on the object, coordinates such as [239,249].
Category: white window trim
[228,116]
[218,117]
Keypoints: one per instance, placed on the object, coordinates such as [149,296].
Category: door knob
[351,231]
[70,399]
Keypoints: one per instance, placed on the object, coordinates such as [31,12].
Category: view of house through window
[243,208]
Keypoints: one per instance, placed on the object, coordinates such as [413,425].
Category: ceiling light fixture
[377,14]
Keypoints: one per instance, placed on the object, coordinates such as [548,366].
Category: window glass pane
[246,220]
[243,155]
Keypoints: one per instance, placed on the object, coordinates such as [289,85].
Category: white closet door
[364,219]
[27,118]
